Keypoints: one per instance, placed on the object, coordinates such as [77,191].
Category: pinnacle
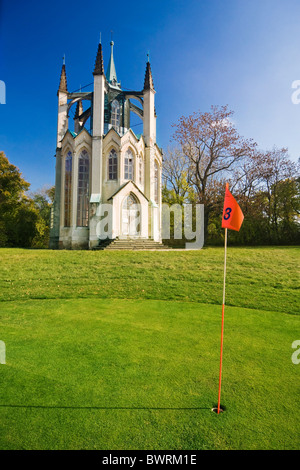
[148,83]
[79,109]
[63,80]
[98,70]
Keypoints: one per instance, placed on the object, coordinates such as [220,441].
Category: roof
[137,136]
[74,134]
[123,186]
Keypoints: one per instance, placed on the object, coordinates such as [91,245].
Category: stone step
[131,244]
[134,243]
[119,243]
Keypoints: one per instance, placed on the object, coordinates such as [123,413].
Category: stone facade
[109,168]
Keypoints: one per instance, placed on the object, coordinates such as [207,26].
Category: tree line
[207,152]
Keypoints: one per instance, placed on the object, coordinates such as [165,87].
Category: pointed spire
[79,110]
[63,78]
[99,70]
[111,73]
[148,83]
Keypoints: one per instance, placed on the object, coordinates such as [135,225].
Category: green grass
[122,352]
[262,278]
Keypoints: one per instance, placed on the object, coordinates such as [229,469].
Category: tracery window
[156,182]
[128,165]
[83,190]
[130,202]
[115,114]
[141,170]
[112,165]
[68,190]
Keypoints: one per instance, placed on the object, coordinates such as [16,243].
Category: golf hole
[215,410]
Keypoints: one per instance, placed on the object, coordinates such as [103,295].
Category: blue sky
[236,52]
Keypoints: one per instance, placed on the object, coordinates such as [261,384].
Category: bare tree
[212,146]
[274,167]
[175,174]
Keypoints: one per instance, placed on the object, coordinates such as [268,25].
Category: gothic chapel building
[108,166]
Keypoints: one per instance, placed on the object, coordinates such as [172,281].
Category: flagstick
[222,328]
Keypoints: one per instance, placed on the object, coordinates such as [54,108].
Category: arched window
[68,189]
[115,114]
[130,201]
[156,182]
[112,165]
[141,170]
[128,165]
[83,190]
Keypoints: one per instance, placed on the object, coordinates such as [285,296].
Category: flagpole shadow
[133,408]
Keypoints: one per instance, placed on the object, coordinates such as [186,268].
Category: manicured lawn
[122,351]
[262,278]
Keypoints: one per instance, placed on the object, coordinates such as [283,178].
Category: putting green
[143,374]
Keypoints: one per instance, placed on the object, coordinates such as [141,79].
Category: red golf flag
[232,219]
[232,214]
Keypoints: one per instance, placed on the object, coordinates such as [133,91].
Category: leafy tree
[42,200]
[288,207]
[17,213]
[12,185]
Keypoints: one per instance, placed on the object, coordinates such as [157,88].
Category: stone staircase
[130,244]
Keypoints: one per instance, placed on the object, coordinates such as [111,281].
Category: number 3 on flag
[227,213]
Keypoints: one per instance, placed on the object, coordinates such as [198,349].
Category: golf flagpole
[232,219]
[222,328]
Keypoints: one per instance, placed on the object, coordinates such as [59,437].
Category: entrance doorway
[131,215]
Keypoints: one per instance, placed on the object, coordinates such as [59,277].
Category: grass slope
[115,373]
[262,278]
